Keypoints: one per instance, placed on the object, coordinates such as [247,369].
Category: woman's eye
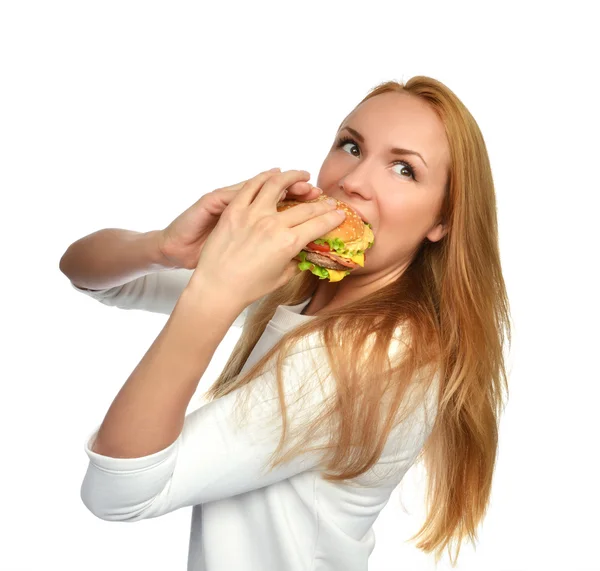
[349,144]
[405,168]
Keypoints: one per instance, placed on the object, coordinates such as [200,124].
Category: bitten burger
[334,255]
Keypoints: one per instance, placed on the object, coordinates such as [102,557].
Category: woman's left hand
[249,253]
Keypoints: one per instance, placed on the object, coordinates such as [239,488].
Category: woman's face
[401,202]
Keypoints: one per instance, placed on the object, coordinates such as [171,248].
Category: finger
[245,195]
[314,193]
[316,227]
[239,185]
[294,216]
[265,193]
[293,179]
[291,270]
[298,189]
[235,186]
[301,191]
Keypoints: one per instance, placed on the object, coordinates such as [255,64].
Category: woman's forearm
[148,413]
[112,257]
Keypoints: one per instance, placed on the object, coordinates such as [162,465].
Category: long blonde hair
[452,305]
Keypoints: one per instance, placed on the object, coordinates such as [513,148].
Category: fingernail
[331,201]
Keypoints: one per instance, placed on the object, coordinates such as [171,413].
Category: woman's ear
[437,232]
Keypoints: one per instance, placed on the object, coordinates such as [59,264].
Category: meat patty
[323,261]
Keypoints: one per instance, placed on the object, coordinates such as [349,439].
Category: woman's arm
[112,257]
[215,458]
[129,261]
[147,414]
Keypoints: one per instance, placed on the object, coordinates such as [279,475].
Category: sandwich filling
[335,259]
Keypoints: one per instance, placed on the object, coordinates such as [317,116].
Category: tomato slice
[318,247]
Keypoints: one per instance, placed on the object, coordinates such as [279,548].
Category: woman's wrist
[155,254]
[112,257]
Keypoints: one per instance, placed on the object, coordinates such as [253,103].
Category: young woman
[341,386]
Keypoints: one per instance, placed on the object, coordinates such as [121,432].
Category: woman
[342,386]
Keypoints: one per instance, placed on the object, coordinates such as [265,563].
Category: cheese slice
[336,275]
[362,244]
[359,259]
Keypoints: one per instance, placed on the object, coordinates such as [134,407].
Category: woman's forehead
[400,120]
[394,110]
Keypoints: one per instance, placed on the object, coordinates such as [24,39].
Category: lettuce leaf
[334,244]
[320,271]
[317,270]
[338,245]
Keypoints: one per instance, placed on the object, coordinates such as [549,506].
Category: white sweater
[244,519]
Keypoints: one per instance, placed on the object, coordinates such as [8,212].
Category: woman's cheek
[407,226]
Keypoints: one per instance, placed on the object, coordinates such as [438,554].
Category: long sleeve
[212,459]
[157,292]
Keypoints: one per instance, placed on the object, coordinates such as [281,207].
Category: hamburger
[335,254]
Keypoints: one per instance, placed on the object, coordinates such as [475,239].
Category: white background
[122,114]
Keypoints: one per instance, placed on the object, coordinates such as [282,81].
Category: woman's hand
[182,240]
[250,252]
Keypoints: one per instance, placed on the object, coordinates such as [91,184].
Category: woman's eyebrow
[394,150]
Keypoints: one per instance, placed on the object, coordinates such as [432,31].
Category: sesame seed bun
[337,263]
[352,227]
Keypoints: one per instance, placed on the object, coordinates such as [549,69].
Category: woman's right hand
[182,240]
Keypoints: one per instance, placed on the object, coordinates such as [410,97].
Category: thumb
[291,271]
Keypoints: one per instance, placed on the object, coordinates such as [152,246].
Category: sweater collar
[289,316]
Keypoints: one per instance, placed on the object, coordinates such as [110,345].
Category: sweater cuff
[110,464]
[95,293]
